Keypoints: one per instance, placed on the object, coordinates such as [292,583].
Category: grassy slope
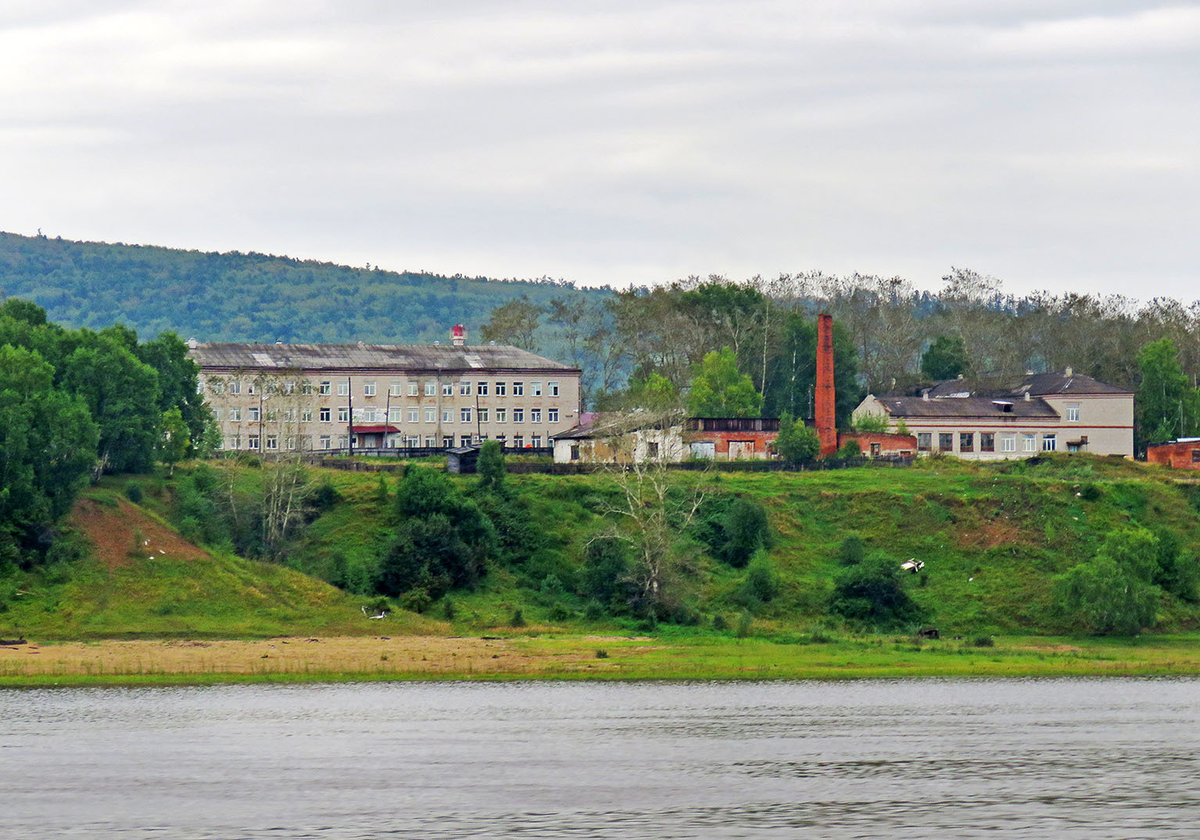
[992,536]
[172,589]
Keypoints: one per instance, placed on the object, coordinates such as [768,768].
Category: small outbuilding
[462,460]
[1181,454]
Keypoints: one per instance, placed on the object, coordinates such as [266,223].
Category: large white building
[288,397]
[985,420]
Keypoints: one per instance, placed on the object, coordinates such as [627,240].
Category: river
[1114,758]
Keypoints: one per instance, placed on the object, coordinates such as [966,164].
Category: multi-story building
[1045,412]
[289,397]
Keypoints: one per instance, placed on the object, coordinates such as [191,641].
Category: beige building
[289,397]
[986,420]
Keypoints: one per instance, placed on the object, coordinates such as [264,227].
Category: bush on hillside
[872,592]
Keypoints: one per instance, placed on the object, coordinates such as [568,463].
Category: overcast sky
[1054,144]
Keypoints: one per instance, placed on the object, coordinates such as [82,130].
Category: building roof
[1035,384]
[974,407]
[381,357]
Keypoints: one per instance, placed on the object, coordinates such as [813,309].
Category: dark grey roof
[409,357]
[1037,384]
[965,407]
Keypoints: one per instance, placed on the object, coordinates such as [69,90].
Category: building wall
[888,444]
[1106,421]
[640,446]
[731,446]
[1181,455]
[293,403]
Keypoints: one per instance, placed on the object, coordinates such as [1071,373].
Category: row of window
[272,443]
[987,442]
[234,414]
[217,385]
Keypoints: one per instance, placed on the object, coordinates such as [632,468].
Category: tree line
[648,346]
[78,403]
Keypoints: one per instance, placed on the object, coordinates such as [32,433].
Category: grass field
[573,657]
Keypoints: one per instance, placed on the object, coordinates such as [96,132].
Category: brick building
[1182,454]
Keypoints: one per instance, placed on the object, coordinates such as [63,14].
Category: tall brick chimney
[826,424]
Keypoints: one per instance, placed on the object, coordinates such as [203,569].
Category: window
[518,389]
[482,415]
[394,414]
[344,388]
[271,415]
[464,440]
[447,415]
[535,415]
[1008,443]
[343,441]
[1196,456]
[1049,443]
[447,389]
[501,415]
[395,389]
[431,415]
[216,412]
[250,388]
[465,415]
[412,441]
[430,441]
[235,386]
[535,389]
[306,388]
[518,415]
[235,415]
[325,389]
[574,451]
[1029,443]
[233,442]
[946,441]
[464,389]
[447,441]
[987,441]
[652,449]
[1072,413]
[966,442]
[552,415]
[500,439]
[500,387]
[324,415]
[289,387]
[253,415]
[924,439]
[344,414]
[552,387]
[518,442]
[535,441]
[431,389]
[368,389]
[326,442]
[481,388]
[252,442]
[216,386]
[414,389]
[272,442]
[413,415]
[289,415]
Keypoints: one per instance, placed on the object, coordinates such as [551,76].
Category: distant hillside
[248,297]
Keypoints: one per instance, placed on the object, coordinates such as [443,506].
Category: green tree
[606,571]
[491,467]
[796,442]
[720,390]
[745,532]
[792,371]
[514,322]
[652,392]
[946,358]
[1167,407]
[178,378]
[1112,594]
[849,449]
[175,439]
[122,394]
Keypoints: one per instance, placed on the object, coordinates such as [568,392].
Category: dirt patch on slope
[122,531]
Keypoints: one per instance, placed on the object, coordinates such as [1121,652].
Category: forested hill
[248,297]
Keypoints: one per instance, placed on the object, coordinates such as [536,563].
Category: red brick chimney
[826,424]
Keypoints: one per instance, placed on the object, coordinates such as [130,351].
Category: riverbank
[580,657]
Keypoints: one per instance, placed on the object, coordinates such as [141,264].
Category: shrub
[449,609]
[849,449]
[601,653]
[560,613]
[1104,598]
[745,622]
[795,441]
[762,581]
[983,641]
[746,532]
[324,496]
[1089,492]
[852,550]
[593,611]
[133,492]
[552,587]
[605,570]
[719,622]
[871,591]
[415,600]
[517,619]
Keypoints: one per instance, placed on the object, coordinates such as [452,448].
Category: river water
[1089,759]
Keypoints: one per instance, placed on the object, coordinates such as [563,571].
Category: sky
[1053,144]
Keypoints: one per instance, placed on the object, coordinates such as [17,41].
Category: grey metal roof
[381,357]
[965,407]
[1036,384]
